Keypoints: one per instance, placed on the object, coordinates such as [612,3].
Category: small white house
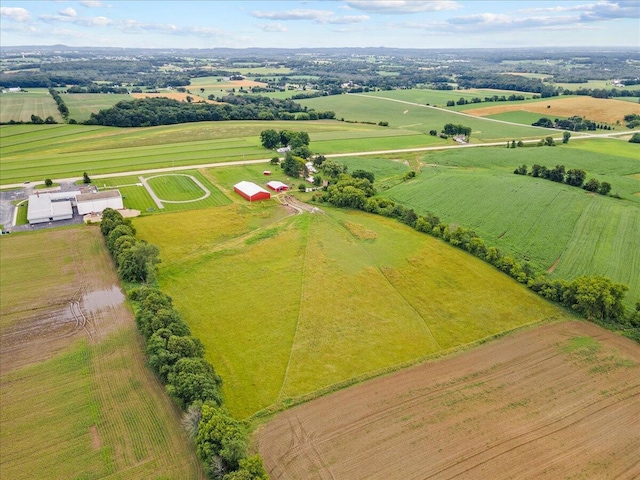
[97,202]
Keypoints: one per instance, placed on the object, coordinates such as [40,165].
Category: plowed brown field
[595,109]
[558,401]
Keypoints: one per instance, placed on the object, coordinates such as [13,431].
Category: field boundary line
[295,333]
[390,284]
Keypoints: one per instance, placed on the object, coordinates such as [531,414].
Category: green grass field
[82,105]
[324,299]
[538,220]
[29,152]
[20,106]
[421,119]
[78,407]
[179,192]
[522,117]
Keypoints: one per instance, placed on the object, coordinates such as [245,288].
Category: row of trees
[62,107]
[177,358]
[574,177]
[594,297]
[495,98]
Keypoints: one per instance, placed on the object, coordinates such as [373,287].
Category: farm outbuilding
[251,191]
[277,186]
[50,207]
[98,201]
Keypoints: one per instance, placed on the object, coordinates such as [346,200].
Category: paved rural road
[331,155]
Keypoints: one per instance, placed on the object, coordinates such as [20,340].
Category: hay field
[20,106]
[292,307]
[596,109]
[82,105]
[557,401]
[77,399]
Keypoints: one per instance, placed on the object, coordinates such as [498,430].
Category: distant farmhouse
[52,207]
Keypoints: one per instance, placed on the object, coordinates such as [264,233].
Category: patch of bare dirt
[558,401]
[96,444]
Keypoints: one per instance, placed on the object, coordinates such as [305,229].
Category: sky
[321,23]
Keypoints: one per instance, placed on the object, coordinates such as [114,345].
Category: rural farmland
[311,318]
[72,370]
[332,263]
[557,401]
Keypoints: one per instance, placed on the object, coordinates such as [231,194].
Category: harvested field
[77,398]
[557,401]
[596,109]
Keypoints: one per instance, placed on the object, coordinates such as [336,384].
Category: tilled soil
[558,401]
[87,304]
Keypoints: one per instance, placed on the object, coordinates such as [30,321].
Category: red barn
[277,186]
[251,191]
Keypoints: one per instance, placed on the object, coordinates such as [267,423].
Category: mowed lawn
[538,220]
[74,405]
[290,307]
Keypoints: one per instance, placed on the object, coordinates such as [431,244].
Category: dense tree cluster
[98,88]
[454,130]
[148,112]
[178,360]
[632,120]
[574,177]
[575,124]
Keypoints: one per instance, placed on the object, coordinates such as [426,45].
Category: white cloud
[68,12]
[273,27]
[92,3]
[66,17]
[319,16]
[403,6]
[16,14]
[605,10]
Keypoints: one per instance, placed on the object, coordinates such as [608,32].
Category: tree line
[177,358]
[146,112]
[595,298]
[574,177]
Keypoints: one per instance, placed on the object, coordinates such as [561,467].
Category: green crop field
[82,105]
[73,405]
[539,220]
[418,118]
[30,152]
[20,106]
[522,117]
[289,307]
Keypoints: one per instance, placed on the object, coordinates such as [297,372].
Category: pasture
[326,300]
[536,220]
[78,400]
[20,106]
[557,401]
